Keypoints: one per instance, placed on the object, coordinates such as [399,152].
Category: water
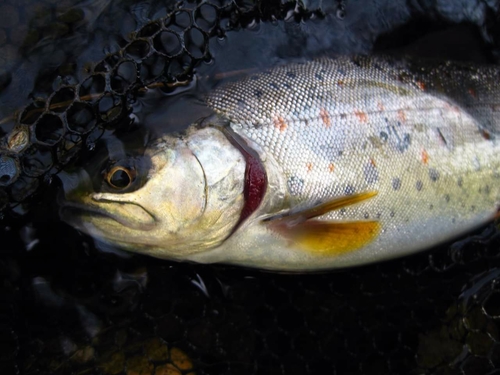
[69,307]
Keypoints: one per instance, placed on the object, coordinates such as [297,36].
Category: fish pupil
[120,179]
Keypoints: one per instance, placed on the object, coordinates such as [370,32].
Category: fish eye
[120,177]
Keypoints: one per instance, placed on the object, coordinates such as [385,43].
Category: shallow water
[71,308]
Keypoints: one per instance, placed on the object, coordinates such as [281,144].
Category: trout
[310,166]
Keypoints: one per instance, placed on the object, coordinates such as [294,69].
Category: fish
[307,166]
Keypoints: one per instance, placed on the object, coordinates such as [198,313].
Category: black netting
[163,52]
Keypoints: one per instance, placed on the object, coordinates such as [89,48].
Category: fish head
[181,197]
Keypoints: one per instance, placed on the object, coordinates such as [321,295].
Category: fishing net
[43,137]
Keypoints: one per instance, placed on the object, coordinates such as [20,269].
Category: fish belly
[337,127]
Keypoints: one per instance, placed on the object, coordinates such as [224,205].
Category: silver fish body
[354,160]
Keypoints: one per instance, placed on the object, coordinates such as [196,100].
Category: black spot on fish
[371,173]
[384,136]
[341,71]
[366,216]
[396,183]
[273,85]
[392,214]
[319,77]
[460,182]
[286,85]
[342,211]
[473,208]
[349,190]
[419,185]
[431,206]
[433,174]
[291,74]
[404,143]
[447,198]
[295,185]
[257,93]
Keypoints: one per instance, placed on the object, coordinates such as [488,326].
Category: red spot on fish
[472,92]
[402,116]
[331,167]
[420,85]
[280,124]
[380,106]
[362,116]
[372,162]
[325,117]
[340,82]
[425,157]
[309,167]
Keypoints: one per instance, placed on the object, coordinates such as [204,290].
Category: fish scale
[344,126]
[322,164]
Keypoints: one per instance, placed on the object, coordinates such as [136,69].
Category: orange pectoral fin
[330,238]
[326,237]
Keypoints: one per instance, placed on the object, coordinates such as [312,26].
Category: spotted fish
[308,166]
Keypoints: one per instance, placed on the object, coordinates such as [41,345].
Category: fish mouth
[74,212]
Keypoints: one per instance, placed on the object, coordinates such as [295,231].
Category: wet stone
[62,99]
[139,366]
[168,43]
[156,350]
[3,37]
[18,139]
[113,364]
[9,16]
[180,359]
[73,15]
[167,369]
[9,170]
[49,130]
